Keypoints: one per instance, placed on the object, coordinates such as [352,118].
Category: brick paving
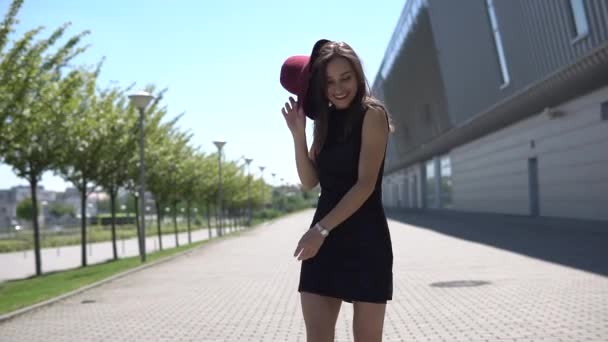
[454,281]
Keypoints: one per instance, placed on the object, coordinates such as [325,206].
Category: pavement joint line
[48,302]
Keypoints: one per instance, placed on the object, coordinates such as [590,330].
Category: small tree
[25,209]
[58,209]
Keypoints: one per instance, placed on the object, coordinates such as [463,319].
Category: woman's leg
[320,316]
[368,321]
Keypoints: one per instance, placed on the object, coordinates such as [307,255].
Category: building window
[430,184]
[605,111]
[579,18]
[446,182]
[504,70]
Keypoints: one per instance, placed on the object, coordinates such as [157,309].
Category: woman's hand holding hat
[294,117]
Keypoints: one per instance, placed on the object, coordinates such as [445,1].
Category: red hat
[295,75]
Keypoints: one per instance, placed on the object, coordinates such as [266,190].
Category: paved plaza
[457,278]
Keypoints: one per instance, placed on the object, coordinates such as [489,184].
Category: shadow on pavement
[574,243]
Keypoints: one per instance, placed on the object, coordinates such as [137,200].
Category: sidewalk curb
[19,312]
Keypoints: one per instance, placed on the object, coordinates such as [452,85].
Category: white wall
[491,173]
[399,189]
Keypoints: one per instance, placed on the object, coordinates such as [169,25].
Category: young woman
[346,254]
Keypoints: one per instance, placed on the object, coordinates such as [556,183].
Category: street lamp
[220,145]
[141,100]
[263,185]
[248,161]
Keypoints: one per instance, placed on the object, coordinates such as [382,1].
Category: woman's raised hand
[294,117]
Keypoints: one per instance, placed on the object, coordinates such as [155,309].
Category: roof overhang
[588,73]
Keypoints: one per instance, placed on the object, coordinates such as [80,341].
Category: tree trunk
[217,220]
[158,219]
[209,220]
[242,217]
[188,213]
[33,185]
[113,210]
[236,218]
[83,222]
[175,224]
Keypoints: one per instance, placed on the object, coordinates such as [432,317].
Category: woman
[346,254]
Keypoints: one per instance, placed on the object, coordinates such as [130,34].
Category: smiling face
[341,82]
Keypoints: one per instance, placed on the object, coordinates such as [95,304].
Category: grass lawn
[17,294]
[25,292]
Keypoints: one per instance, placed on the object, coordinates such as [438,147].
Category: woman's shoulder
[376,109]
[375,119]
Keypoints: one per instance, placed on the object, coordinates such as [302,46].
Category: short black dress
[355,261]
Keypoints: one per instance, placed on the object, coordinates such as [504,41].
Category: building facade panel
[572,155]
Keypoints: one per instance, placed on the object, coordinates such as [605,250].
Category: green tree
[84,137]
[156,158]
[25,209]
[58,209]
[179,152]
[118,149]
[33,95]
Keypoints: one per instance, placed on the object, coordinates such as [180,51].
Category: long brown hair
[317,94]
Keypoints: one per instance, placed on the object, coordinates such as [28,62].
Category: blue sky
[220,61]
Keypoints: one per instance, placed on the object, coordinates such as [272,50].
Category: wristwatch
[321,230]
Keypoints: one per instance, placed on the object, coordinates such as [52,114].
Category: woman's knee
[320,316]
[368,321]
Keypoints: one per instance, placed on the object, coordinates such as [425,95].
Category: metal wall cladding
[549,28]
[414,94]
[538,39]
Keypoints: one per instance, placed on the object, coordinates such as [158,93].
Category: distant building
[9,199]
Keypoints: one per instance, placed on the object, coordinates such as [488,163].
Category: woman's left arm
[374,137]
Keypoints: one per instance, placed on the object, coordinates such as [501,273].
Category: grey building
[500,106]
[9,199]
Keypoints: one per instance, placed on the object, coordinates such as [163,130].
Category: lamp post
[263,187]
[141,100]
[220,145]
[248,161]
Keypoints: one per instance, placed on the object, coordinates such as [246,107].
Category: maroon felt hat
[295,75]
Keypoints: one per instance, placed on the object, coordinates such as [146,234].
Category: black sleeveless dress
[355,261]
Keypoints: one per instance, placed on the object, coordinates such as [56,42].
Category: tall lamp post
[248,161]
[263,187]
[141,100]
[220,145]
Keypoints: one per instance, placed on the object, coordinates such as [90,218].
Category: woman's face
[341,82]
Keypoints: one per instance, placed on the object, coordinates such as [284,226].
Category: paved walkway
[23,264]
[453,282]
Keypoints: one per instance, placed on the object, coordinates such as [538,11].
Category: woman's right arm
[296,121]
[307,170]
